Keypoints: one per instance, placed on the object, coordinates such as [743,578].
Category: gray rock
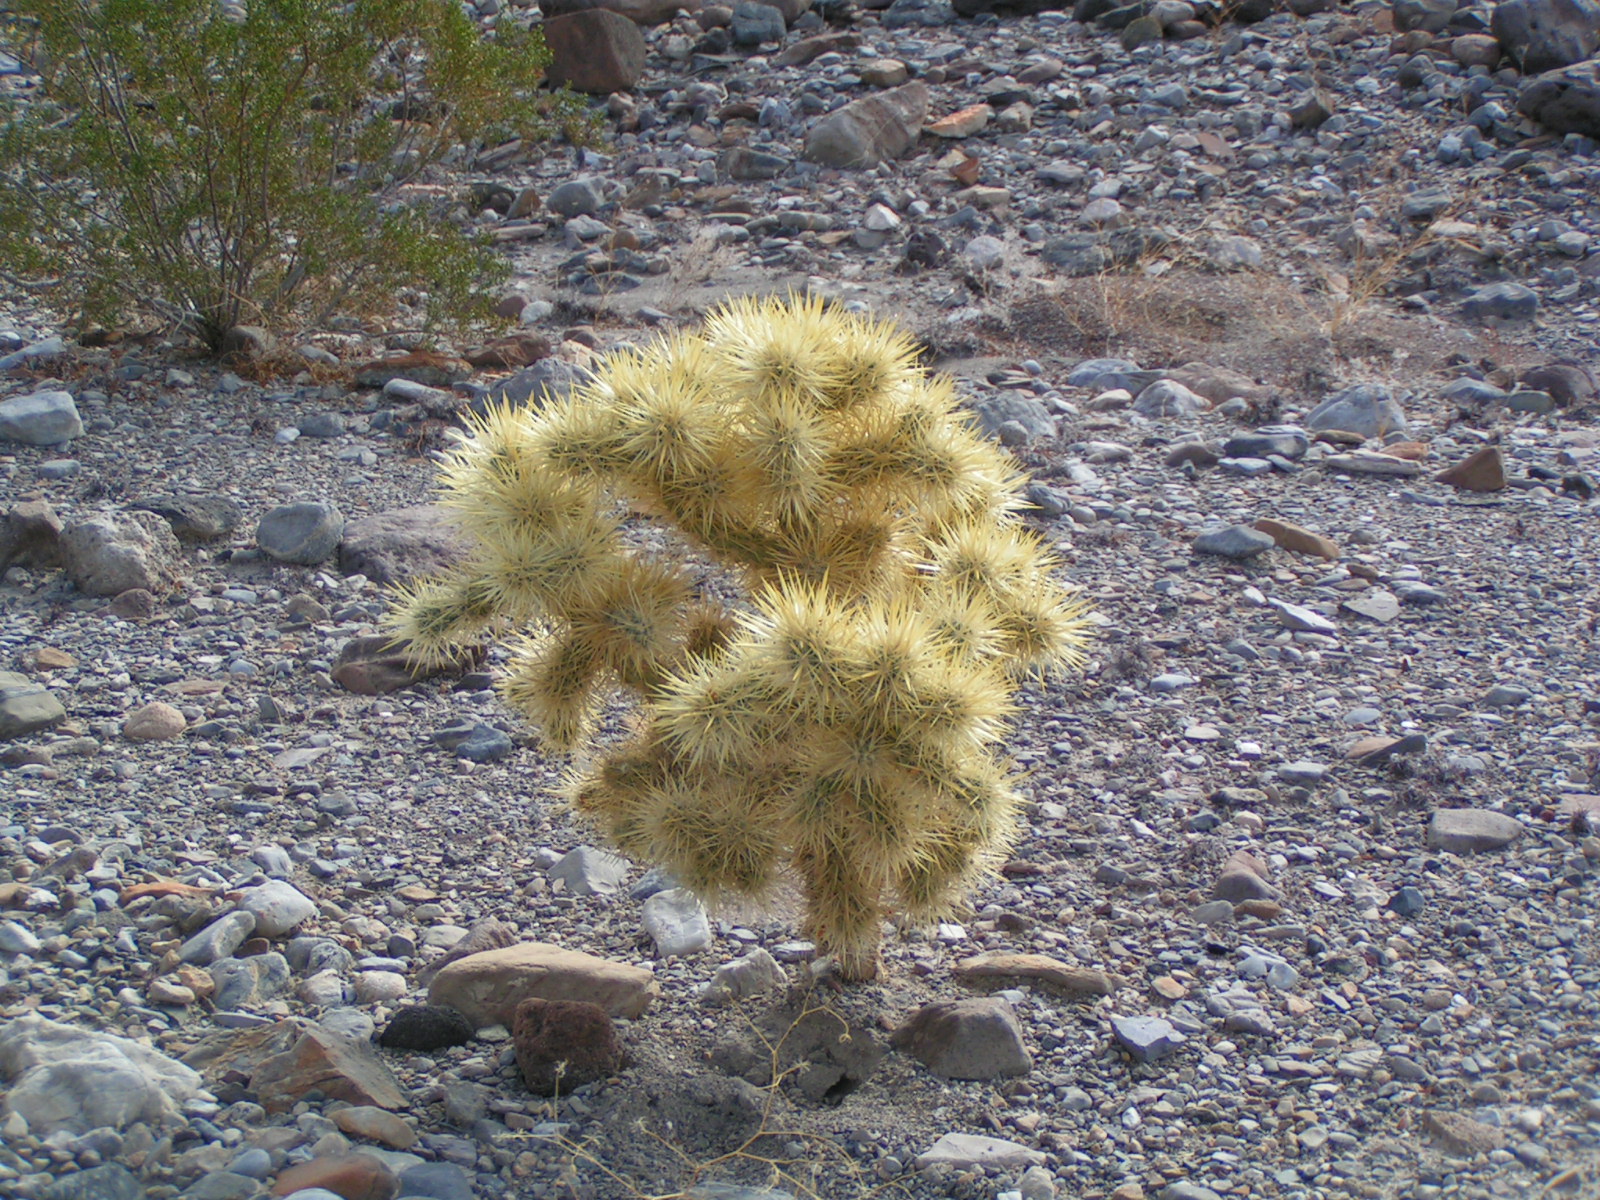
[26,707]
[1472,830]
[242,981]
[1367,409]
[1545,35]
[1078,254]
[1301,619]
[1168,398]
[66,1078]
[108,1181]
[323,425]
[1091,371]
[17,939]
[1186,1190]
[754,974]
[575,198]
[1500,304]
[30,535]
[1407,902]
[979,1038]
[436,1181]
[1146,1038]
[590,872]
[914,14]
[113,553]
[195,518]
[677,922]
[757,24]
[1506,695]
[310,955]
[1234,541]
[222,1185]
[485,744]
[1429,15]
[1000,408]
[40,419]
[1564,101]
[254,1162]
[960,1150]
[865,132]
[546,380]
[1282,440]
[218,939]
[277,907]
[305,533]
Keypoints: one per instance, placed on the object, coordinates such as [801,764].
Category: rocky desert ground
[1291,313]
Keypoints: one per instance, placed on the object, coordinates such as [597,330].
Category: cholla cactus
[841,718]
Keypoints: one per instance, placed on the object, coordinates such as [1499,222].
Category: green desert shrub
[821,636]
[245,165]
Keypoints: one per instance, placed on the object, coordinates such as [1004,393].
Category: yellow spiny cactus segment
[841,719]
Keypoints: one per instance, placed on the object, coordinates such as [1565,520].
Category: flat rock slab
[1366,463]
[1462,1136]
[1472,830]
[1041,969]
[486,988]
[1146,1038]
[975,1150]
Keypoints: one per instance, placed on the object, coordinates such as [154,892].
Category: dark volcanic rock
[426,1027]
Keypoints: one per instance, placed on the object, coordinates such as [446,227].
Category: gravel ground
[1376,1000]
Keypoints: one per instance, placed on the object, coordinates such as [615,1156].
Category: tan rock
[885,73]
[353,1176]
[374,666]
[1051,973]
[156,722]
[1410,451]
[48,658]
[962,123]
[1461,1136]
[1301,541]
[1482,471]
[168,991]
[376,1125]
[488,987]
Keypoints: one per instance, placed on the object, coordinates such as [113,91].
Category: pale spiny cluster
[840,720]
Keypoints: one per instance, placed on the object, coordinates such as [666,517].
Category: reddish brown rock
[1244,877]
[420,366]
[517,350]
[317,1060]
[1483,471]
[597,51]
[1301,541]
[375,665]
[966,1039]
[30,533]
[564,1044]
[353,1176]
[962,123]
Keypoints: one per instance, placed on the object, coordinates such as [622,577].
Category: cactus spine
[841,719]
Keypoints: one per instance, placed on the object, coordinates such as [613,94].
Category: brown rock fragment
[564,1044]
[1482,471]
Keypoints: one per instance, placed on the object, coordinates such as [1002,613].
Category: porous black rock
[426,1027]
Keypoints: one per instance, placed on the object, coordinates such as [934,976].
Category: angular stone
[218,939]
[755,973]
[1369,410]
[979,1038]
[486,988]
[239,982]
[596,51]
[564,1044]
[1502,303]
[865,132]
[1168,398]
[30,536]
[404,543]
[677,922]
[959,1150]
[1364,463]
[586,871]
[756,24]
[1545,35]
[26,707]
[1376,605]
[305,533]
[1461,1136]
[154,722]
[1050,973]
[1472,830]
[108,1181]
[1146,1038]
[113,553]
[326,1062]
[195,518]
[42,419]
[1567,383]
[1301,541]
[1482,471]
[1301,619]
[962,123]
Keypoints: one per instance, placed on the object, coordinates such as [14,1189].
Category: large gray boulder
[1565,101]
[868,131]
[42,419]
[306,533]
[1368,409]
[66,1079]
[1544,35]
[112,553]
